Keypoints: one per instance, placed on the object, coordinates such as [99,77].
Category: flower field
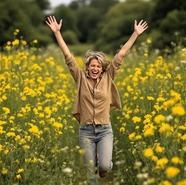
[39,136]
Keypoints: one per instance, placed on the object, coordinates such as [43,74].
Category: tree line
[104,23]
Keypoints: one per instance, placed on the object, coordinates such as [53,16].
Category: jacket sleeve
[74,69]
[115,66]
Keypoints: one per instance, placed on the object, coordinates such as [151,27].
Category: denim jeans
[96,139]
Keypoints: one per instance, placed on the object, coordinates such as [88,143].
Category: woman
[96,97]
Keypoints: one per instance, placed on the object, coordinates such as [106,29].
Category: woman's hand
[141,27]
[52,23]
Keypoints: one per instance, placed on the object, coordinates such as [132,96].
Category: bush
[70,37]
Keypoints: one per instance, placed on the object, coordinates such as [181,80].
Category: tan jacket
[93,105]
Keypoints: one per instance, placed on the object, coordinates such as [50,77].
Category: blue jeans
[96,139]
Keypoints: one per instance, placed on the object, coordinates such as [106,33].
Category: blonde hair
[100,56]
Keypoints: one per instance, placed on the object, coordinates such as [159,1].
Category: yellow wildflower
[4,171]
[148,152]
[172,172]
[176,160]
[6,110]
[20,170]
[136,119]
[159,119]
[182,182]
[162,162]
[165,183]
[165,128]
[122,129]
[160,149]
[178,110]
[132,136]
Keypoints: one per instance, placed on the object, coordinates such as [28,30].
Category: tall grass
[39,136]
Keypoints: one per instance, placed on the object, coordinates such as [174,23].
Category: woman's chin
[94,77]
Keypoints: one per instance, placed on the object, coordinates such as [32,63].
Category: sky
[55,3]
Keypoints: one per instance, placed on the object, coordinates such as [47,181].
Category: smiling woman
[96,96]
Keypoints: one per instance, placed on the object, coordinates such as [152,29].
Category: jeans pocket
[82,126]
[107,127]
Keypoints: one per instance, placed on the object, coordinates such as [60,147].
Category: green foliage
[43,4]
[117,25]
[80,49]
[39,136]
[68,16]
[70,37]
[23,15]
[105,23]
[103,5]
[88,19]
[162,9]
[168,18]
[171,30]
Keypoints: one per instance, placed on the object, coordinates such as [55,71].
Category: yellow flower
[150,98]
[148,152]
[10,134]
[34,129]
[162,162]
[183,137]
[159,119]
[18,137]
[35,41]
[172,172]
[160,149]
[182,182]
[178,110]
[20,170]
[4,97]
[165,128]
[15,42]
[57,125]
[176,160]
[1,147]
[6,110]
[26,147]
[81,151]
[149,131]
[18,176]
[154,158]
[4,171]
[168,103]
[138,137]
[136,119]
[132,136]
[122,129]
[34,160]
[165,183]
[149,41]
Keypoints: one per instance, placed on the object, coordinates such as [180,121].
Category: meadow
[39,136]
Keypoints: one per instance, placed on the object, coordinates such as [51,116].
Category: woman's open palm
[52,23]
[140,27]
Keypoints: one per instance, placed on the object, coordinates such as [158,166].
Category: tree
[25,16]
[69,27]
[68,16]
[74,5]
[168,22]
[43,4]
[117,25]
[161,9]
[88,19]
[103,5]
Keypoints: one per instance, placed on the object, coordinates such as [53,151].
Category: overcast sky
[58,2]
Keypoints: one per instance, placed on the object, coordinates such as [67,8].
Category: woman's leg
[87,143]
[105,149]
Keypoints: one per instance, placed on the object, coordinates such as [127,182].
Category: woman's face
[95,69]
